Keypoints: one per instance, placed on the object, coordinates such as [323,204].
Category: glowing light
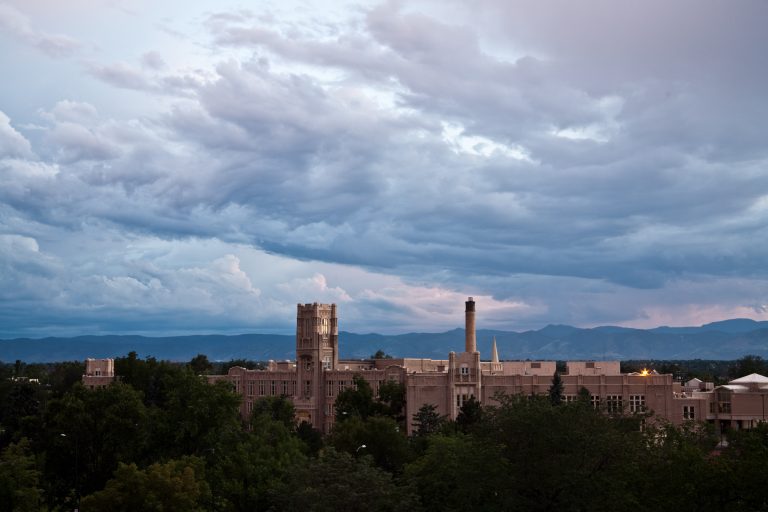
[645,372]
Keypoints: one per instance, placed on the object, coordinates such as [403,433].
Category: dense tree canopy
[747,365]
[174,485]
[162,438]
[339,482]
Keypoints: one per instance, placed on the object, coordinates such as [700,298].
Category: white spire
[494,352]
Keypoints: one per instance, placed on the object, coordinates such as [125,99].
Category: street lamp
[359,447]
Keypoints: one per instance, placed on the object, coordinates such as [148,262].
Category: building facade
[99,373]
[318,375]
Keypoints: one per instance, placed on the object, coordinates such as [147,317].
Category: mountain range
[729,339]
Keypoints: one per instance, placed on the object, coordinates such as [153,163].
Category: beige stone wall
[545,368]
[100,367]
[593,368]
[99,373]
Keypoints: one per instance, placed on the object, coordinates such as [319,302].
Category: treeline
[164,439]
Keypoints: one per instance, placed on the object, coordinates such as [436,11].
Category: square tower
[317,350]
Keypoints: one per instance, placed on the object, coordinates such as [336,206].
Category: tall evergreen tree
[556,389]
[471,413]
[427,420]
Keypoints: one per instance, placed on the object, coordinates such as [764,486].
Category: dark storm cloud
[673,165]
[559,153]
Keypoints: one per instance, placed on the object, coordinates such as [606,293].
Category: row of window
[613,403]
[332,388]
[306,325]
[269,387]
[720,407]
[327,363]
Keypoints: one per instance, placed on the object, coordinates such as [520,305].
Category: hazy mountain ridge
[728,339]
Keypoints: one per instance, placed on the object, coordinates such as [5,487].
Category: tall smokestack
[471,341]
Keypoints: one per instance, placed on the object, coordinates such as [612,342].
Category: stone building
[317,376]
[98,373]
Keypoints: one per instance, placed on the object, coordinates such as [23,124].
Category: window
[250,387]
[97,373]
[463,394]
[272,388]
[595,401]
[326,362]
[330,387]
[723,401]
[689,412]
[464,369]
[570,398]
[285,387]
[460,399]
[341,386]
[307,387]
[249,406]
[613,403]
[636,403]
[535,365]
[590,365]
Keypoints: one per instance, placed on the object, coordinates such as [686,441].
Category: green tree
[675,470]
[460,473]
[563,458]
[378,437]
[337,482]
[193,416]
[747,460]
[427,421]
[21,406]
[584,396]
[88,432]
[747,365]
[392,400]
[380,354]
[18,368]
[311,437]
[200,364]
[243,363]
[19,479]
[276,408]
[154,379]
[556,389]
[174,485]
[470,414]
[63,376]
[355,402]
[245,475]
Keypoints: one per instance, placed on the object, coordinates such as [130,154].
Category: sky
[195,166]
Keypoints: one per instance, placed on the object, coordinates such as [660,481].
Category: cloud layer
[570,163]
